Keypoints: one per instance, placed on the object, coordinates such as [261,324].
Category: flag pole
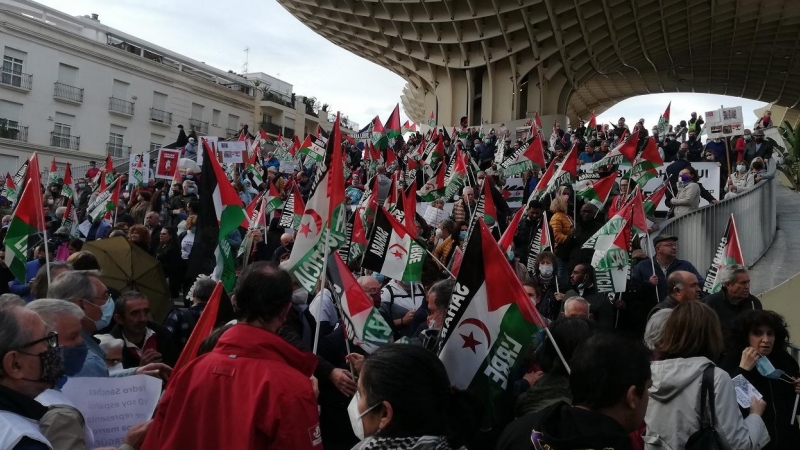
[344,324]
[46,256]
[558,350]
[322,288]
[423,245]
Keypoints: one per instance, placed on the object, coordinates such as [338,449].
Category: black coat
[778,394]
[727,311]
[165,344]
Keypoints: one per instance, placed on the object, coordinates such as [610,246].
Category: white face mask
[115,368]
[438,232]
[546,270]
[741,168]
[355,416]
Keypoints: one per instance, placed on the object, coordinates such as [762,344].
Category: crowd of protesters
[619,372]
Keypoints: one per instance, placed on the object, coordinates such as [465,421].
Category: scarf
[404,443]
[17,403]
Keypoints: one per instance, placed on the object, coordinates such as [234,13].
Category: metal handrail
[160,116]
[700,231]
[121,106]
[67,92]
[16,79]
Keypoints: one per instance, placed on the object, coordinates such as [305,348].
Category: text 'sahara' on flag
[729,252]
[489,324]
[324,216]
[27,221]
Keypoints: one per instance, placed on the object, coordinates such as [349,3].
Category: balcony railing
[277,97]
[65,141]
[199,125]
[159,116]
[13,131]
[65,92]
[230,133]
[18,80]
[271,128]
[288,133]
[120,106]
[118,151]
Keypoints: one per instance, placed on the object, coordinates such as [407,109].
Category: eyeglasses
[51,338]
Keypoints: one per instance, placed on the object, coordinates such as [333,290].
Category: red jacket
[252,391]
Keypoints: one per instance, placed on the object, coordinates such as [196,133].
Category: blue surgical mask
[378,276]
[108,312]
[74,358]
[191,191]
[189,176]
[462,234]
[766,368]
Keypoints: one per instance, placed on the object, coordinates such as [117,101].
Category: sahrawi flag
[631,213]
[363,324]
[544,182]
[53,175]
[293,209]
[489,324]
[392,126]
[595,192]
[624,153]
[655,199]
[528,156]
[324,216]
[105,202]
[541,242]
[68,189]
[435,187]
[10,189]
[457,177]
[567,172]
[647,164]
[432,120]
[612,264]
[663,121]
[313,148]
[28,219]
[219,205]
[379,138]
[728,252]
[506,242]
[392,251]
[592,127]
[253,165]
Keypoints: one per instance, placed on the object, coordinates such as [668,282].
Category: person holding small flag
[665,262]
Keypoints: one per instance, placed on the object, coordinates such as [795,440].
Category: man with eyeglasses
[665,262]
[31,363]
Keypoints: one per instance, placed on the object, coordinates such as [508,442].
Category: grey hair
[108,342]
[467,189]
[654,330]
[12,334]
[50,309]
[575,299]
[10,300]
[727,274]
[74,285]
[674,280]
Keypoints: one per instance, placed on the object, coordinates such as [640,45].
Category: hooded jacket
[251,392]
[673,413]
[563,427]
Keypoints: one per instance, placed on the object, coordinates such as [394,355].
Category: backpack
[706,438]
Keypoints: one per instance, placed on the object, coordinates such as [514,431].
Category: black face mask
[52,362]
[759,139]
[682,154]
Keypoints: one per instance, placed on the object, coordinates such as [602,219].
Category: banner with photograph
[139,169]
[232,152]
[724,122]
[167,163]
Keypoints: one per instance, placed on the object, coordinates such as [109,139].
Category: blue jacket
[22,289]
[644,270]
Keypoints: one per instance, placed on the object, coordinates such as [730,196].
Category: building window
[215,117]
[116,142]
[10,113]
[156,141]
[12,71]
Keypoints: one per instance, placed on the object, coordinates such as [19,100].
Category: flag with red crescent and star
[324,216]
[392,250]
[488,325]
[729,252]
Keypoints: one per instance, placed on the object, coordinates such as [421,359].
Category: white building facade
[75,89]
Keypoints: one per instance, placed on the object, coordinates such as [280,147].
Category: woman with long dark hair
[755,340]
[405,401]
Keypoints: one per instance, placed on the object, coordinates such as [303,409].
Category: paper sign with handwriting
[112,406]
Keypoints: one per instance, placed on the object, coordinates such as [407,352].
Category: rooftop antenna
[246,60]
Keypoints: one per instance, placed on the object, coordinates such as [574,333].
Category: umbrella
[126,267]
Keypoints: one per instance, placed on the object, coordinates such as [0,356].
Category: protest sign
[212,142]
[112,406]
[167,163]
[233,152]
[724,122]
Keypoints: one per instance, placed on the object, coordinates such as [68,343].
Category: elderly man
[734,297]
[463,208]
[683,287]
[153,223]
[66,428]
[145,341]
[577,307]
[438,300]
[287,241]
[85,289]
[181,322]
[665,262]
[31,363]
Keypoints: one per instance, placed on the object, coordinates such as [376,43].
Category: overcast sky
[280,45]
